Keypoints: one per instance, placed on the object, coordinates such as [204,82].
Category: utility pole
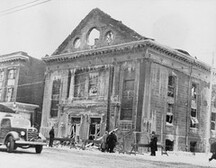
[208,115]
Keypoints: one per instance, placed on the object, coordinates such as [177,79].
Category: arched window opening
[77,43]
[109,37]
[93,37]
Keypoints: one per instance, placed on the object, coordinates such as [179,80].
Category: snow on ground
[64,157]
[201,159]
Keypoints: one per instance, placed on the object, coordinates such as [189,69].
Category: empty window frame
[93,84]
[193,145]
[169,115]
[1,75]
[80,84]
[86,84]
[169,145]
[11,77]
[193,118]
[127,94]
[11,73]
[55,98]
[194,91]
[93,37]
[1,93]
[171,86]
[213,121]
[9,94]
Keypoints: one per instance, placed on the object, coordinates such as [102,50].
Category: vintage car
[16,131]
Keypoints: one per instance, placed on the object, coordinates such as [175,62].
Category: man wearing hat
[153,144]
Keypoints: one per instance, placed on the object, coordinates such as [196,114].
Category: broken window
[69,82]
[193,145]
[55,98]
[128,94]
[75,128]
[193,118]
[213,121]
[11,77]
[86,84]
[0,94]
[94,128]
[93,83]
[1,82]
[194,91]
[1,75]
[169,145]
[169,115]
[11,73]
[171,86]
[80,82]
[9,94]
[214,102]
[109,37]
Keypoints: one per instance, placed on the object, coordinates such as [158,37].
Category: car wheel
[10,144]
[38,148]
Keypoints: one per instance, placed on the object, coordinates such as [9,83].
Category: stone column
[72,82]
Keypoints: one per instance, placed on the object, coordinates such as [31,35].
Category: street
[63,157]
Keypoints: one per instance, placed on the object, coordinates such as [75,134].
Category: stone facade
[21,84]
[126,81]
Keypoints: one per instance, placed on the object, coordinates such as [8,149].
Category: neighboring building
[21,84]
[106,76]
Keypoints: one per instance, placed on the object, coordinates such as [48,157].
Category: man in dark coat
[153,144]
[51,135]
[213,156]
[111,142]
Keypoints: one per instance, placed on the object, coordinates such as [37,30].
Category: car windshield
[20,122]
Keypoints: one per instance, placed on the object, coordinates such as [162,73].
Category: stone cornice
[126,47]
[86,105]
[13,57]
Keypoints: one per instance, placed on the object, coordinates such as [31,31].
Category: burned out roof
[105,18]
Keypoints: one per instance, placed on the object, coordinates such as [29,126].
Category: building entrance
[94,129]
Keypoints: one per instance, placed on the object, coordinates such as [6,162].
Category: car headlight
[22,133]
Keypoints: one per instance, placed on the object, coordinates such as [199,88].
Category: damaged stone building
[21,84]
[105,76]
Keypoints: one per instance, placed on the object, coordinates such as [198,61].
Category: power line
[13,11]
[18,6]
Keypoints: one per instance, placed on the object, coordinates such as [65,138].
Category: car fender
[14,134]
[42,137]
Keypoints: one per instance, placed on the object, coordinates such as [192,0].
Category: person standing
[104,142]
[213,156]
[51,135]
[111,142]
[153,144]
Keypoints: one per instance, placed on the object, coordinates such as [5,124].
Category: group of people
[109,141]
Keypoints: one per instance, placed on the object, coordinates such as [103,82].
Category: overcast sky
[39,30]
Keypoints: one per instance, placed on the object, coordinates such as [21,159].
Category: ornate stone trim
[126,47]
